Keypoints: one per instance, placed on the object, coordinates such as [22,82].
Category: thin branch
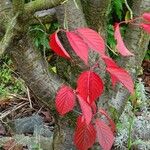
[37,5]
[113,51]
[7,112]
[29,98]
[130,10]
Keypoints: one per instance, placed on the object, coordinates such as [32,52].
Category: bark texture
[33,6]
[96,13]
[70,16]
[5,14]
[33,70]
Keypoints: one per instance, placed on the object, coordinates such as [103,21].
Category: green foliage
[40,36]
[117,7]
[41,33]
[36,147]
[147,56]
[9,84]
[111,42]
[26,1]
[117,13]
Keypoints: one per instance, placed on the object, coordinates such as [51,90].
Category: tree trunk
[33,69]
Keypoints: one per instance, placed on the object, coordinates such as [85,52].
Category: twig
[130,10]
[64,1]
[39,110]
[3,115]
[76,4]
[18,97]
[111,49]
[11,69]
[29,98]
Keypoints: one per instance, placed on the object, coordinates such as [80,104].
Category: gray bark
[33,69]
[100,10]
[70,15]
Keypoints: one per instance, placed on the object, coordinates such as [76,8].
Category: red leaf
[120,44]
[119,74]
[109,62]
[86,110]
[114,80]
[104,135]
[85,135]
[146,16]
[78,45]
[89,86]
[111,122]
[65,100]
[57,47]
[92,39]
[145,27]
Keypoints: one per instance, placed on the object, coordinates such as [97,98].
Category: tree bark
[5,14]
[96,13]
[33,69]
[33,6]
[70,16]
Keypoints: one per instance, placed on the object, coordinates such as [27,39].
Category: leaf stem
[130,10]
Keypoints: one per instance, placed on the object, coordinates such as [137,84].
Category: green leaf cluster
[9,81]
[117,8]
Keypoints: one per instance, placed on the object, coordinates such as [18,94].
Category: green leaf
[118,7]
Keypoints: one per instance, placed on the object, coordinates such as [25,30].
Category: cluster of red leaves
[87,128]
[146,26]
[90,85]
